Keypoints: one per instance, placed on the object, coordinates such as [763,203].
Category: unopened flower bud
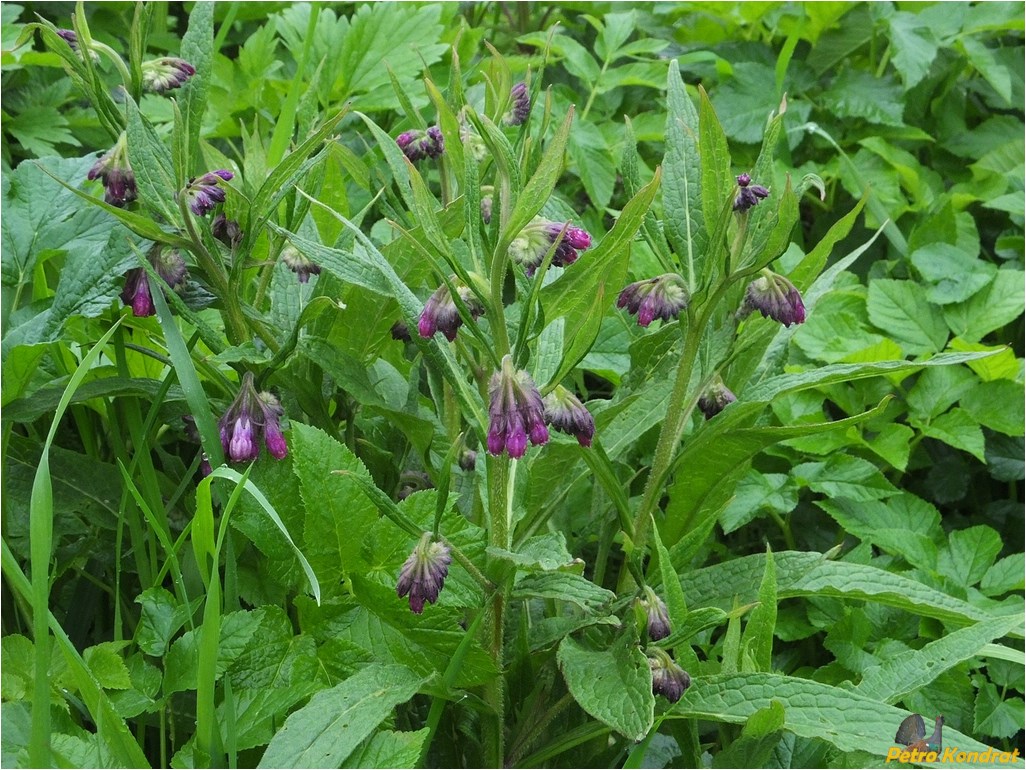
[423,574]
[166,73]
[657,615]
[114,171]
[775,297]
[417,144]
[299,264]
[226,230]
[715,398]
[441,315]
[520,107]
[662,297]
[400,331]
[537,238]
[748,194]
[468,460]
[565,412]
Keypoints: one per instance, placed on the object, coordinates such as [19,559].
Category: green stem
[499,477]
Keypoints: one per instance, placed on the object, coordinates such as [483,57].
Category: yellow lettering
[949,754]
[893,753]
[1015,754]
[930,757]
[905,758]
[1005,757]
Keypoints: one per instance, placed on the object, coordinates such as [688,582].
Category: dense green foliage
[838,547]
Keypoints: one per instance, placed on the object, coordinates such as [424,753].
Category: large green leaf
[682,193]
[326,731]
[848,720]
[614,686]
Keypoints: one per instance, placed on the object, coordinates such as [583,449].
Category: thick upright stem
[498,537]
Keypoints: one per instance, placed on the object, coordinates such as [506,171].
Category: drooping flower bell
[423,574]
[515,412]
[252,416]
[299,264]
[748,194]
[775,297]
[204,193]
[662,297]
[715,398]
[116,174]
[657,615]
[440,313]
[565,412]
[166,73]
[534,241]
[417,144]
[668,679]
[520,106]
[136,292]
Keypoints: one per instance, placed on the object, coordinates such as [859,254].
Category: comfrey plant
[515,415]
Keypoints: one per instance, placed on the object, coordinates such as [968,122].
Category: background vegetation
[839,548]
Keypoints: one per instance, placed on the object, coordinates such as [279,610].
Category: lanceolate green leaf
[811,574]
[757,638]
[152,164]
[850,721]
[197,49]
[684,220]
[335,721]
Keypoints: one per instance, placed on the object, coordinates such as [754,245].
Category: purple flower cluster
[252,416]
[441,315]
[534,241]
[668,679]
[748,194]
[114,171]
[515,412]
[520,107]
[204,193]
[662,297]
[715,398]
[136,292]
[775,297]
[565,412]
[165,74]
[423,574]
[417,144]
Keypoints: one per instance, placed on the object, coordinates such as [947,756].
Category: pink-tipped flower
[662,297]
[116,174]
[775,297]
[136,292]
[748,194]
[251,417]
[204,193]
[165,74]
[417,144]
[537,238]
[299,264]
[423,574]
[520,105]
[658,617]
[440,313]
[515,412]
[226,230]
[668,679]
[565,412]
[715,398]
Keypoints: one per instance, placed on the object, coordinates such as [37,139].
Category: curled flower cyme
[417,144]
[565,412]
[166,73]
[423,574]
[662,297]
[534,241]
[520,105]
[114,171]
[775,297]
[250,417]
[515,412]
[668,679]
[715,398]
[440,313]
[136,292]
[204,193]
